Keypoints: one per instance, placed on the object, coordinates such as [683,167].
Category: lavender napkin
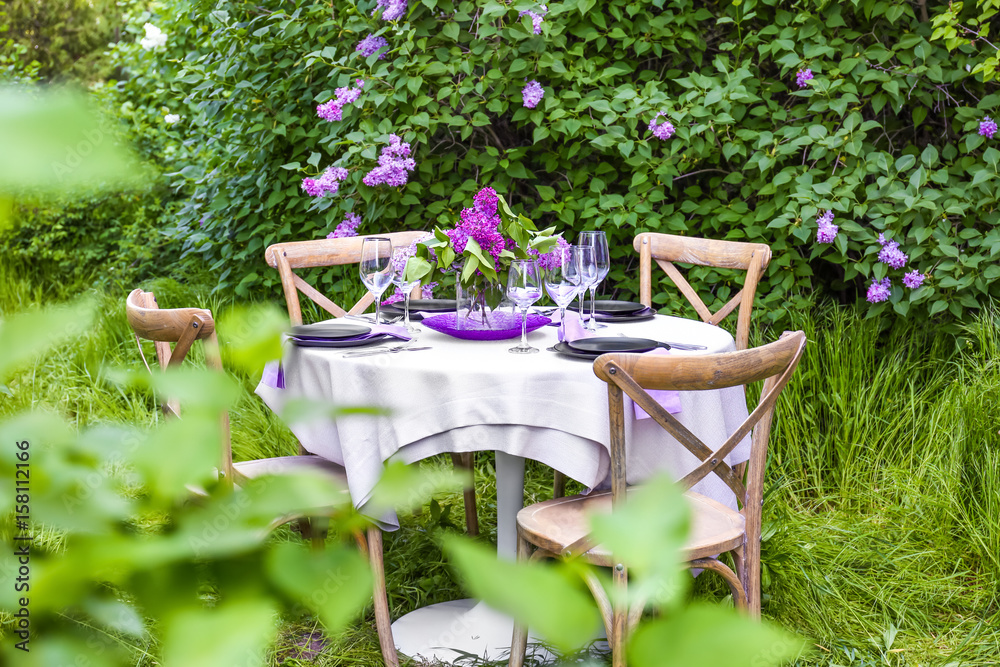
[273,376]
[670,400]
[574,327]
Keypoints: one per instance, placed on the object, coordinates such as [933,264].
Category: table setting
[447,378]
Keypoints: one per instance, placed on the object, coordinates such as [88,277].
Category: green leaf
[26,335]
[232,632]
[691,637]
[334,583]
[545,597]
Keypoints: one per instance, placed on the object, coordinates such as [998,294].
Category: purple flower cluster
[891,254]
[394,165]
[532,94]
[827,230]
[427,291]
[391,9]
[396,297]
[879,290]
[371,44]
[987,127]
[327,183]
[347,227]
[914,279]
[553,258]
[803,77]
[536,18]
[332,110]
[481,223]
[661,130]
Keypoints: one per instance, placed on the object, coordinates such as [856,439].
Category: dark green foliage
[884,135]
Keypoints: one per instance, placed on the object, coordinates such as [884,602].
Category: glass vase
[479,305]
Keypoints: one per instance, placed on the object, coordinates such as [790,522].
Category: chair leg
[558,485]
[519,642]
[732,580]
[465,461]
[619,623]
[383,621]
[750,575]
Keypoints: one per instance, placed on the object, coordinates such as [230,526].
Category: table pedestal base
[450,630]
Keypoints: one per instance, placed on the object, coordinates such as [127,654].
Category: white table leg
[431,633]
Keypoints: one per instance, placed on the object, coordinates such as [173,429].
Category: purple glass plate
[505,326]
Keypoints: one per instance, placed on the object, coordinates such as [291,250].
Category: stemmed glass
[602,259]
[588,271]
[400,257]
[562,281]
[376,269]
[524,287]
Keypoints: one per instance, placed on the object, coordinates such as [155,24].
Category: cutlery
[677,346]
[398,348]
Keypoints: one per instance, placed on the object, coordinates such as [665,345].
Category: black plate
[641,316]
[329,330]
[429,305]
[597,346]
[615,307]
[321,342]
[565,350]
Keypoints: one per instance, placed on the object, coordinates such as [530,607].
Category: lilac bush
[394,165]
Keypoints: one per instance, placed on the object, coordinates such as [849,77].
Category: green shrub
[884,135]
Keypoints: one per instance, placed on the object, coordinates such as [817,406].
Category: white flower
[154,38]
[171,118]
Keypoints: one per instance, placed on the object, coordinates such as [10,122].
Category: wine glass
[562,280]
[588,271]
[400,258]
[602,259]
[376,269]
[524,287]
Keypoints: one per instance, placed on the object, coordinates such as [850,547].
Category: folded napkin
[574,327]
[273,375]
[669,399]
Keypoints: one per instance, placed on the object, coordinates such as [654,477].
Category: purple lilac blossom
[803,77]
[661,130]
[913,279]
[371,44]
[327,183]
[394,165]
[987,127]
[891,254]
[397,296]
[827,231]
[427,291]
[553,258]
[347,227]
[333,110]
[482,224]
[536,18]
[532,94]
[391,9]
[879,290]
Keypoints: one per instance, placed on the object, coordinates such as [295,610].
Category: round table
[462,396]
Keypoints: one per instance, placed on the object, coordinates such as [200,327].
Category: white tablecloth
[463,396]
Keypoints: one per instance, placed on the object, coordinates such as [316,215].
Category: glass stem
[583,293]
[562,322]
[593,304]
[378,311]
[406,309]
[524,328]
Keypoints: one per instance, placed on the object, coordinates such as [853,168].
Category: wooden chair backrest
[286,257]
[633,374]
[666,249]
[181,326]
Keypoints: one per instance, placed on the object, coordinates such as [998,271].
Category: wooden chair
[666,249]
[559,526]
[287,257]
[184,326]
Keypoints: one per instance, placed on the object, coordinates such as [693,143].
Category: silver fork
[403,347]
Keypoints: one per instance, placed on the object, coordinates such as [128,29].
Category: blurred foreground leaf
[403,487]
[251,336]
[53,141]
[711,635]
[27,335]
[548,597]
[236,632]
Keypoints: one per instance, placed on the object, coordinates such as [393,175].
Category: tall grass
[882,535]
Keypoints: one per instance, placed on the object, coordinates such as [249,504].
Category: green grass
[882,514]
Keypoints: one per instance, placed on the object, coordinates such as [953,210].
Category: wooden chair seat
[280,465]
[555,524]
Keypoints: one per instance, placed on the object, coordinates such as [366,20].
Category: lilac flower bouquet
[478,251]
